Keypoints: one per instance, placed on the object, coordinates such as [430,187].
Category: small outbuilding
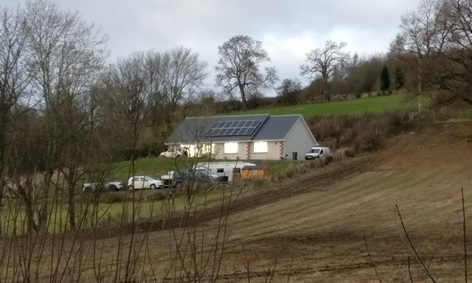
[254,173]
[245,137]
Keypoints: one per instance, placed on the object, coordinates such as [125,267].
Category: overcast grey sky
[288,29]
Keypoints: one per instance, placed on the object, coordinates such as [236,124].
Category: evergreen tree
[384,80]
[399,78]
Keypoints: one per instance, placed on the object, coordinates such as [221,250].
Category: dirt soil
[318,226]
[318,235]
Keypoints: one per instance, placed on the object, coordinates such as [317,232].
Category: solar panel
[233,128]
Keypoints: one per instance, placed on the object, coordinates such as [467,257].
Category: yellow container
[254,173]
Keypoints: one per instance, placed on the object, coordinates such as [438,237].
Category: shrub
[112,197]
[370,143]
[158,195]
[361,133]
[399,123]
[290,173]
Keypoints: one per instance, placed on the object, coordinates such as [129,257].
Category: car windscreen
[315,150]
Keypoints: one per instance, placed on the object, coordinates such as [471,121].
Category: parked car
[319,152]
[144,182]
[108,186]
[201,175]
[173,152]
[115,186]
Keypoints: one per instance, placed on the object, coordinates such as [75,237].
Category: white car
[173,152]
[318,152]
[144,182]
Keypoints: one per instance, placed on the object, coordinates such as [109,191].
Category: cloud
[288,29]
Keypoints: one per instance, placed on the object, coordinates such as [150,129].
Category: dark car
[197,175]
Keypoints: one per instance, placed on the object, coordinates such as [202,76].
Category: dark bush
[359,133]
[112,197]
[158,195]
[370,143]
[399,123]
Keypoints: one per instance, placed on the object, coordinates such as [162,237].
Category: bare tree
[155,73]
[13,82]
[183,74]
[146,90]
[461,23]
[238,66]
[66,55]
[458,81]
[180,74]
[128,98]
[424,34]
[325,63]
[438,37]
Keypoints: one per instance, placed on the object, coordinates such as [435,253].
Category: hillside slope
[319,235]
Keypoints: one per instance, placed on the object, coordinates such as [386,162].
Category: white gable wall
[298,140]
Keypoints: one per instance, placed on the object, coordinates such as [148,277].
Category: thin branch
[371,261]
[409,269]
[465,236]
[415,253]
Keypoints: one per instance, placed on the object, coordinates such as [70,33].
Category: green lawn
[104,214]
[367,105]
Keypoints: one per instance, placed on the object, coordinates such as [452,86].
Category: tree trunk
[25,192]
[243,96]
[2,167]
[29,211]
[71,205]
[419,85]
[326,91]
[43,211]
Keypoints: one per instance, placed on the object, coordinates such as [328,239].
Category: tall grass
[192,252]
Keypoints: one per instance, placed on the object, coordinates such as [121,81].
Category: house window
[260,147]
[231,147]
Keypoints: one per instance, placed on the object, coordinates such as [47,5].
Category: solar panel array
[233,128]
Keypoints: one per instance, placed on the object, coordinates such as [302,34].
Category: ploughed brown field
[312,229]
[318,235]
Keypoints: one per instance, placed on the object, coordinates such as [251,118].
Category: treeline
[432,52]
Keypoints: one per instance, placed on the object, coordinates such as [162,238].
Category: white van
[318,152]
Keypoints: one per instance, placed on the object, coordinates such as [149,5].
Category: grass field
[113,208]
[367,105]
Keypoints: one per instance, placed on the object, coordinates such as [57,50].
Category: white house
[245,137]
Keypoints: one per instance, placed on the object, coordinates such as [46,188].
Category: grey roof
[277,127]
[272,127]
